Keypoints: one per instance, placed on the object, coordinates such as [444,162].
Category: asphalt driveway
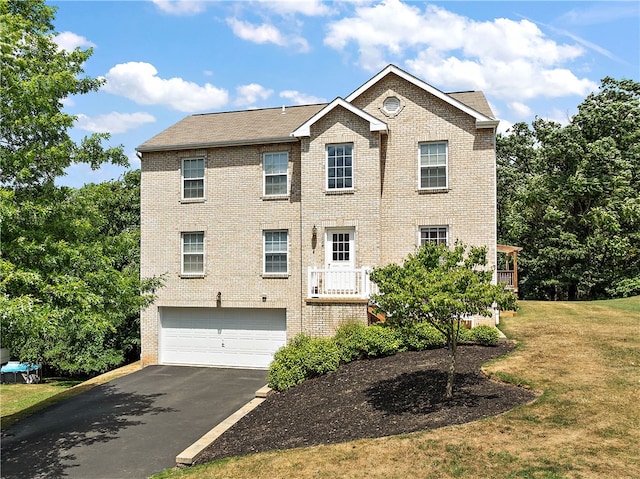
[131,427]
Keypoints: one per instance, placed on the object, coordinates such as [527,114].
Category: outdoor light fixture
[314,233]
[264,297]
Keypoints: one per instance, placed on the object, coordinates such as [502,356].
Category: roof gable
[374,123]
[482,120]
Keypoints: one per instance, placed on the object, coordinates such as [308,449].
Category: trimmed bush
[485,335]
[421,336]
[350,341]
[303,358]
[381,341]
[321,356]
[465,336]
[357,341]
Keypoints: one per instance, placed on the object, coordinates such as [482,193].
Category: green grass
[18,401]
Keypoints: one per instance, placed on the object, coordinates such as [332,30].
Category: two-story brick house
[267,222]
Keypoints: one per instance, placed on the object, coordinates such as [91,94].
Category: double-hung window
[193,254]
[276,178]
[433,165]
[340,167]
[434,234]
[276,252]
[193,178]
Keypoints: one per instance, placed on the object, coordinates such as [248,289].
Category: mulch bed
[373,398]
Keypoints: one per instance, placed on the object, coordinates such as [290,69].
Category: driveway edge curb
[191,454]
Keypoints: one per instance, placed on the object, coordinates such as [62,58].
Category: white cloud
[114,122]
[68,102]
[520,109]
[508,59]
[180,7]
[266,33]
[305,7]
[503,127]
[249,94]
[298,98]
[70,41]
[139,81]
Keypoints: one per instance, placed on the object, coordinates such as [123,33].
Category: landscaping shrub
[321,356]
[303,358]
[380,341]
[349,339]
[287,368]
[465,336]
[421,336]
[357,341]
[485,335]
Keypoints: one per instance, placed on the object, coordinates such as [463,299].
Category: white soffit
[482,121]
[374,123]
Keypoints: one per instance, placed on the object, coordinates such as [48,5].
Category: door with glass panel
[340,261]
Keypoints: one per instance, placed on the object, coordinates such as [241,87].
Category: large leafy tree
[70,291]
[35,145]
[570,196]
[442,287]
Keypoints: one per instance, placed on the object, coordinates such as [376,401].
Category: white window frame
[327,167]
[184,253]
[265,175]
[438,229]
[185,179]
[445,165]
[284,251]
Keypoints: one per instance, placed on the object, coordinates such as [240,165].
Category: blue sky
[166,59]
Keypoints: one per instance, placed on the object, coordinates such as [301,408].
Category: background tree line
[570,196]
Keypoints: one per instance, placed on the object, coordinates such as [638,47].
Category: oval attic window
[391,105]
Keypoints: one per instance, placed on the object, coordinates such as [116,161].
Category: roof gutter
[217,144]
[487,123]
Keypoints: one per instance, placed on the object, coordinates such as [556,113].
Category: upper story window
[192,178]
[340,166]
[434,234]
[276,178]
[276,252]
[433,165]
[193,254]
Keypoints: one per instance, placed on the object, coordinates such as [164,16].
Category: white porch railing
[349,283]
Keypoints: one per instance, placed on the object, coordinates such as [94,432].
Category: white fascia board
[374,123]
[482,121]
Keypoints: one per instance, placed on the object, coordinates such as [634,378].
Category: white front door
[341,260]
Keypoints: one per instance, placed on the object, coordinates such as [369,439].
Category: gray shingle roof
[230,128]
[475,100]
[269,125]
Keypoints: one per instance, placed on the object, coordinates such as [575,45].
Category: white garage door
[221,337]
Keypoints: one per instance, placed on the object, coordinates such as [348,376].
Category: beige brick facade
[385,208]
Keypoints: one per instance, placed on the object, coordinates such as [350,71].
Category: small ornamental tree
[440,286]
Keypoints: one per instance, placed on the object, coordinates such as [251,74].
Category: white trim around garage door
[223,337]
